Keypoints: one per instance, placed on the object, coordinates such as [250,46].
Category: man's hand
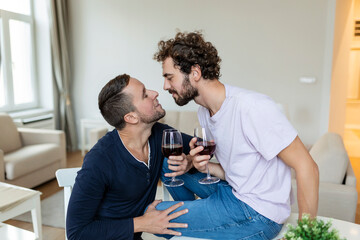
[158,222]
[179,165]
[199,161]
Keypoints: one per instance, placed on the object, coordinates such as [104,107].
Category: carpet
[52,211]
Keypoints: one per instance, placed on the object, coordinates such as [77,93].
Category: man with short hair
[120,174]
[255,145]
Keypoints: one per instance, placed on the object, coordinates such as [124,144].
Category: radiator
[35,120]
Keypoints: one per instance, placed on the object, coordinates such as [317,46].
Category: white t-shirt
[249,131]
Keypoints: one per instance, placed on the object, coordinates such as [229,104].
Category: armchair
[29,157]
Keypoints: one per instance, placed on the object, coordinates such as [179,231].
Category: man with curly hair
[256,149]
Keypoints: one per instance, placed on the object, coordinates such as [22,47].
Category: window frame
[5,49]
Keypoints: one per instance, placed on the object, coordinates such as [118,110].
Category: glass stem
[173,179]
[208,171]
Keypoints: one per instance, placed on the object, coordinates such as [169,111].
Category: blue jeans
[219,214]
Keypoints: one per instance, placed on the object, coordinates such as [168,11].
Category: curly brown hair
[190,49]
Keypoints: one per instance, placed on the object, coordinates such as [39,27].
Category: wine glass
[172,145]
[203,138]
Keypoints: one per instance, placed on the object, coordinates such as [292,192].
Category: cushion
[30,158]
[188,121]
[9,137]
[184,121]
[171,118]
[331,157]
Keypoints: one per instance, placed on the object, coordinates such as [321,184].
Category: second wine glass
[172,145]
[203,138]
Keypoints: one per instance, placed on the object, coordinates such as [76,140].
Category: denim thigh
[223,216]
[191,185]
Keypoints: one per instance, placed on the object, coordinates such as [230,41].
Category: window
[17,60]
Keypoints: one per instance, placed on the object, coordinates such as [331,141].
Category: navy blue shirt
[113,187]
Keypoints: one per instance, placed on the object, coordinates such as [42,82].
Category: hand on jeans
[179,165]
[158,222]
[198,161]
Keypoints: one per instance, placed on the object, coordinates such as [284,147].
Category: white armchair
[29,157]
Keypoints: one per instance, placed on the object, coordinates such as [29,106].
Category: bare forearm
[307,176]
[308,191]
[216,170]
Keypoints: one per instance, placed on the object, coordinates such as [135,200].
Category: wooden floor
[75,159]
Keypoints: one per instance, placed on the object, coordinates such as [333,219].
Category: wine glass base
[210,180]
[173,183]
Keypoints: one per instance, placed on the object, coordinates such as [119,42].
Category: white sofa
[29,157]
[337,193]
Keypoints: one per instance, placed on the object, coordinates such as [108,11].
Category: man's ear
[195,73]
[131,118]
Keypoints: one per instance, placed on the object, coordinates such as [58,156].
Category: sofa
[337,191]
[29,157]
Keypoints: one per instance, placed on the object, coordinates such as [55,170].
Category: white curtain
[59,31]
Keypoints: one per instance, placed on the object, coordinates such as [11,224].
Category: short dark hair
[190,49]
[113,103]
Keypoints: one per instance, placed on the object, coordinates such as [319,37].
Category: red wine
[209,147]
[172,150]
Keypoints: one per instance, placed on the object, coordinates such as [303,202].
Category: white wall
[265,46]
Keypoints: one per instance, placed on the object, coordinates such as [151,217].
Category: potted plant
[311,229]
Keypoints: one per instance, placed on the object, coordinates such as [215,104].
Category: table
[8,232]
[348,230]
[31,204]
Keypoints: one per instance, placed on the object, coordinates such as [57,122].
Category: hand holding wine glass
[203,138]
[172,145]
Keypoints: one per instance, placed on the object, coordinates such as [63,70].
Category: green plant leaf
[311,229]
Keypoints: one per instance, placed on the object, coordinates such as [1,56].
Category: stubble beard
[151,119]
[188,92]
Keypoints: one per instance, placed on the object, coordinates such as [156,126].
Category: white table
[32,204]
[348,230]
[8,232]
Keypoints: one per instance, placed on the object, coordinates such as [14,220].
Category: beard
[188,92]
[151,119]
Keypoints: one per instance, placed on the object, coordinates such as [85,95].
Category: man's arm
[307,176]
[86,198]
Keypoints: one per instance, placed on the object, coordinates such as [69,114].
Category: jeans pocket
[248,211]
[256,236]
[274,227]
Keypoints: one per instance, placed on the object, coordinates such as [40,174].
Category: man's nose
[155,94]
[166,85]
